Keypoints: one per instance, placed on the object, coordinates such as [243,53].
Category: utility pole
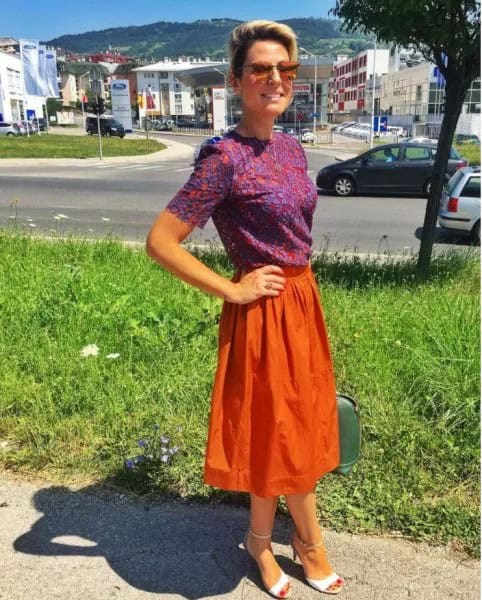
[314,95]
[225,97]
[373,94]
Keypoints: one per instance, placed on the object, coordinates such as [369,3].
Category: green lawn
[409,352]
[70,146]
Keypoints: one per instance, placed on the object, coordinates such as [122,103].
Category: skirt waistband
[288,272]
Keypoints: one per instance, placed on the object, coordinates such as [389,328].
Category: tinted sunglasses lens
[288,72]
[264,72]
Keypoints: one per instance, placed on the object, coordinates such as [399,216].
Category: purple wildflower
[129,463]
[142,443]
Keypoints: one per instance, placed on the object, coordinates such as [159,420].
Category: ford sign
[29,47]
[50,56]
[119,86]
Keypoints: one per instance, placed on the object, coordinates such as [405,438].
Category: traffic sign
[315,115]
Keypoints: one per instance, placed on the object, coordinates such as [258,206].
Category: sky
[47,20]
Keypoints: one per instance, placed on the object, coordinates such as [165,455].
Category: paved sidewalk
[89,544]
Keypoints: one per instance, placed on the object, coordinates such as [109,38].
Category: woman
[273,426]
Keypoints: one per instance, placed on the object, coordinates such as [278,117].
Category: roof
[175,66]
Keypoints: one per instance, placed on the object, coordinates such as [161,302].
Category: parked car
[460,203]
[388,168]
[211,140]
[339,128]
[108,126]
[278,128]
[42,124]
[421,140]
[22,129]
[307,135]
[291,131]
[29,126]
[466,138]
[9,129]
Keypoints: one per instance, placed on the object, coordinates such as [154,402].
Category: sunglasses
[262,72]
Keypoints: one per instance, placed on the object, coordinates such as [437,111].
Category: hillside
[204,38]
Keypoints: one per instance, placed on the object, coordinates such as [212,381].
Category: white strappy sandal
[278,589]
[322,585]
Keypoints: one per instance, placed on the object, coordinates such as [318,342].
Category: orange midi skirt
[273,426]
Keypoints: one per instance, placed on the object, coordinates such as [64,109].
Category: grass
[471,152]
[70,146]
[408,352]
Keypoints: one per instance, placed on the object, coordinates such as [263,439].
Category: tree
[447,33]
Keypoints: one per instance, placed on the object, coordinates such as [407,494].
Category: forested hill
[204,38]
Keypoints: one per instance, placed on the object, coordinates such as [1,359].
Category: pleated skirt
[273,425]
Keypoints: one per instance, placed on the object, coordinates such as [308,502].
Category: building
[350,80]
[163,93]
[15,104]
[79,79]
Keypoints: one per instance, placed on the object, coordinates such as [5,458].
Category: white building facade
[169,97]
[15,105]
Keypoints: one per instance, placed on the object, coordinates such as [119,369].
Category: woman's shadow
[172,547]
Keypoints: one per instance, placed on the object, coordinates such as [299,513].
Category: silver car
[460,204]
[9,129]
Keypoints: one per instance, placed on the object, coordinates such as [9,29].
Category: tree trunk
[455,93]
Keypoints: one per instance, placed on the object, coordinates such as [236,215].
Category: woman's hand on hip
[265,281]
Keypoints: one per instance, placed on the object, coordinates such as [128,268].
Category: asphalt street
[124,197]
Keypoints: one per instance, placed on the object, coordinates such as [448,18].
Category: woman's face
[264,98]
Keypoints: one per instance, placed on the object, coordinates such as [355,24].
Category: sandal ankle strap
[305,545]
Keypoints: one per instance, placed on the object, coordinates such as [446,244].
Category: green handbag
[350,432]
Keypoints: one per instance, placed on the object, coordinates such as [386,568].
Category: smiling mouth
[273,96]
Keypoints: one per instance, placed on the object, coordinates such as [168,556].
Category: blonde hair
[246,34]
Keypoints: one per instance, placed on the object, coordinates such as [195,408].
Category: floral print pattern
[259,196]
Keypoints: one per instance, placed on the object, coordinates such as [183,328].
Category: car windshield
[115,123]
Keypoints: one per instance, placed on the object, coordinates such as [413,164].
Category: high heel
[322,585]
[278,589]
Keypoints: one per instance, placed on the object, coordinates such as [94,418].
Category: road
[123,199]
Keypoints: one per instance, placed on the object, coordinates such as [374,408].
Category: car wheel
[344,186]
[10,134]
[476,233]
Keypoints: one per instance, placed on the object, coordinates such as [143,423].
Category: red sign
[84,99]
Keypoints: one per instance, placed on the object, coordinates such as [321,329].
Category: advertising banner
[121,102]
[30,62]
[219,109]
[302,88]
[51,74]
[42,71]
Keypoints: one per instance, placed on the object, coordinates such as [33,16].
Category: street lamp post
[225,97]
[314,95]
[373,94]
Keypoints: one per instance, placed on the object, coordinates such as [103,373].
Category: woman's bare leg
[302,508]
[261,522]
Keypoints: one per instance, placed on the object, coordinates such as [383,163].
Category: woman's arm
[164,246]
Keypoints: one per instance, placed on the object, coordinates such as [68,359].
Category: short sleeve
[209,184]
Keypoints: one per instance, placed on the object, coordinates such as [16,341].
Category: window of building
[163,75]
[418,93]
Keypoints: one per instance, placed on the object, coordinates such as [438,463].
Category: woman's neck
[255,127]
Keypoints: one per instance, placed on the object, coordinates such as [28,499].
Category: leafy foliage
[204,38]
[447,33]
